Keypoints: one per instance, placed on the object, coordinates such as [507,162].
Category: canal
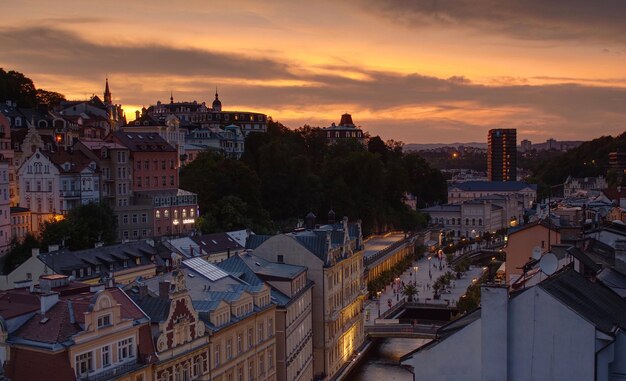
[382,362]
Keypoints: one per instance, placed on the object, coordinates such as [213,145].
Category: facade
[79,179]
[576,185]
[502,155]
[470,190]
[564,328]
[20,222]
[333,255]
[5,208]
[199,304]
[346,130]
[473,218]
[526,145]
[520,245]
[68,331]
[292,292]
[198,115]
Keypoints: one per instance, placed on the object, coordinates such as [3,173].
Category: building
[526,145]
[333,254]
[574,186]
[219,246]
[194,115]
[5,207]
[522,241]
[208,324]
[470,190]
[121,263]
[66,330]
[20,223]
[502,155]
[345,130]
[564,328]
[292,293]
[473,218]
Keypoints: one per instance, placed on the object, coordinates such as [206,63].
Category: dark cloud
[456,107]
[530,20]
[54,51]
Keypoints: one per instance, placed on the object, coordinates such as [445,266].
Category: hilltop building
[345,130]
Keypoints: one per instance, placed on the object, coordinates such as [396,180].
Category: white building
[51,184]
[5,208]
[469,190]
[565,328]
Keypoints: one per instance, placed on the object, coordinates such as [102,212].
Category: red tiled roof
[30,365]
[15,303]
[78,160]
[56,329]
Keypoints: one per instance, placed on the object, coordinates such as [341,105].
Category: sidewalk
[424,280]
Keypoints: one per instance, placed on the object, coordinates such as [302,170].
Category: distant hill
[427,146]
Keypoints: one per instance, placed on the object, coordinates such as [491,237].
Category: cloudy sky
[416,71]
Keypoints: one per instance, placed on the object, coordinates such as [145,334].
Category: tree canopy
[284,174]
[16,87]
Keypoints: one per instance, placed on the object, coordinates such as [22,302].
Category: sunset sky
[415,71]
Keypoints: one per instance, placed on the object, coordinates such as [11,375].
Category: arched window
[467,221]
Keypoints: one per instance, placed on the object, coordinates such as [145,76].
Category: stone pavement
[424,281]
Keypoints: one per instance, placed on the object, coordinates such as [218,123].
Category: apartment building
[333,254]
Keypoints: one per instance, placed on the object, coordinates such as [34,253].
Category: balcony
[69,193]
[112,373]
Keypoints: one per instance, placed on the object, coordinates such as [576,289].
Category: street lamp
[415,268]
[378,302]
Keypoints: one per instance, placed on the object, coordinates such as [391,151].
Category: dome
[217,104]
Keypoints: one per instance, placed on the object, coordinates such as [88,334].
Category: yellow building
[77,332]
[333,254]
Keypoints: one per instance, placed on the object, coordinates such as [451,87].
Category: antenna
[536,252]
[548,264]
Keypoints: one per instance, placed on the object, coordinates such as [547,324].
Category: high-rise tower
[502,155]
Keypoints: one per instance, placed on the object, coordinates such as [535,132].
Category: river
[382,361]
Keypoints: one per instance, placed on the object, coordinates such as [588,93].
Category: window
[163,181]
[106,356]
[279,259]
[166,213]
[217,355]
[144,218]
[104,321]
[261,333]
[250,337]
[125,219]
[239,343]
[251,370]
[270,358]
[157,214]
[84,364]
[162,164]
[270,327]
[261,364]
[229,349]
[171,180]
[134,218]
[125,349]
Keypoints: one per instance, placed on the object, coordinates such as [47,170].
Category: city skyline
[407,71]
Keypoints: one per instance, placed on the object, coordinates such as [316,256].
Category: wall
[520,246]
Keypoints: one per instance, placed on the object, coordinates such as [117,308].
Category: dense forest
[16,87]
[589,159]
[284,174]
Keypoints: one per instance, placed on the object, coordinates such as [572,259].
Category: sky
[415,71]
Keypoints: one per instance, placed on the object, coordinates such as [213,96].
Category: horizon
[405,71]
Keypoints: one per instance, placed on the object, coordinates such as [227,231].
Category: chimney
[164,289]
[494,341]
[309,221]
[34,252]
[53,248]
[620,256]
[48,301]
[137,114]
[331,217]
[143,290]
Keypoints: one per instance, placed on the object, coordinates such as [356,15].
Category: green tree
[410,291]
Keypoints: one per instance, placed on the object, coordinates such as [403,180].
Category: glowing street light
[415,268]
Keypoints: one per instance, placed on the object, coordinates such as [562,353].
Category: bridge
[412,320]
[478,254]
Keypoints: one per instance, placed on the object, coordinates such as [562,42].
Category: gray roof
[593,301]
[255,241]
[614,280]
[443,208]
[493,186]
[66,261]
[217,242]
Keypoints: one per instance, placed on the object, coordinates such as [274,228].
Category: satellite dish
[536,252]
[548,264]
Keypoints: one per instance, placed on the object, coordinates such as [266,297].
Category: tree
[410,291]
[83,227]
[16,87]
[19,253]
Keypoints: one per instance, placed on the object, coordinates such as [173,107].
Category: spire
[171,96]
[216,93]
[217,105]
[107,92]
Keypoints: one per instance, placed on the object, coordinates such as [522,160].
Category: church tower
[107,94]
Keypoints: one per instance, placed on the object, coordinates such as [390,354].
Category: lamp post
[415,268]
[378,302]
